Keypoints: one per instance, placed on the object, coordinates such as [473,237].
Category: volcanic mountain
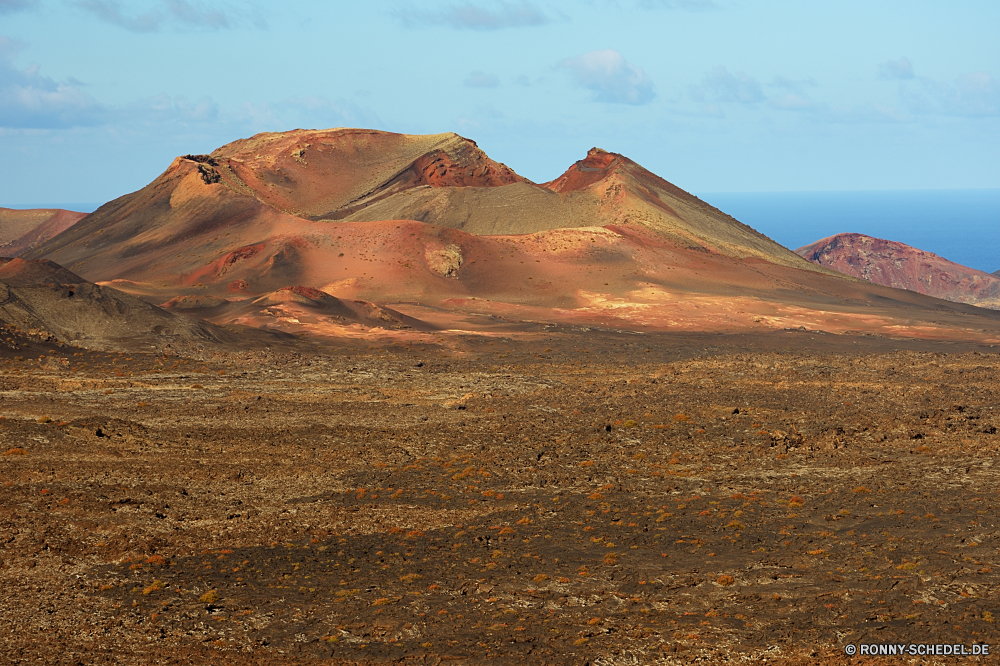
[22,230]
[436,230]
[894,264]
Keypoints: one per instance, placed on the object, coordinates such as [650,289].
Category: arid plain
[565,498]
[402,406]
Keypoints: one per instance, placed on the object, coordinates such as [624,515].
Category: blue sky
[97,96]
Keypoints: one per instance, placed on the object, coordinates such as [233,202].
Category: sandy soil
[553,497]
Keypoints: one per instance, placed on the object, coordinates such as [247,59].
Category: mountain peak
[584,173]
[326,174]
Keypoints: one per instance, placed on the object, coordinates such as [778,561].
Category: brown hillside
[328,173]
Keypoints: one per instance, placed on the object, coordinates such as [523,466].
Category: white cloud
[164,108]
[719,86]
[795,85]
[973,95]
[29,100]
[792,94]
[791,101]
[11,6]
[311,111]
[175,13]
[901,69]
[687,5]
[480,16]
[111,12]
[611,78]
[479,79]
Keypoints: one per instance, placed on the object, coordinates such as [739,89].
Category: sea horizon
[962,226]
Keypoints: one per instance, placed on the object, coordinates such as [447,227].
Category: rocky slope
[901,266]
[48,301]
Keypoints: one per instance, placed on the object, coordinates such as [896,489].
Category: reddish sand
[395,219]
[897,265]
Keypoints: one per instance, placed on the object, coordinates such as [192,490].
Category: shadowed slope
[93,315]
[894,264]
[43,297]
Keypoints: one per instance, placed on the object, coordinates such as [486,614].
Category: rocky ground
[571,499]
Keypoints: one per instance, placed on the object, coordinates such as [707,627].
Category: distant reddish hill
[893,264]
[22,230]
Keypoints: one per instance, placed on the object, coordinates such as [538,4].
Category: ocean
[960,225]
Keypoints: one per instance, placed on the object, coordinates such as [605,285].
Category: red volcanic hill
[392,219]
[294,305]
[22,230]
[897,265]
